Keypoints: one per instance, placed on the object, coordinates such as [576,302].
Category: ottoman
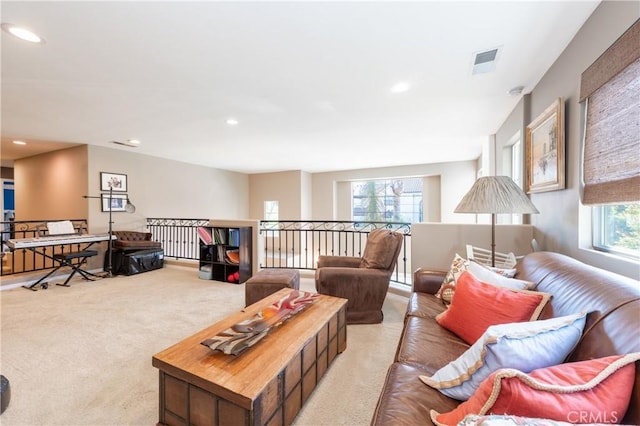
[268,281]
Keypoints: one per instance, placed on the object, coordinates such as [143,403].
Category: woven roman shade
[611,85]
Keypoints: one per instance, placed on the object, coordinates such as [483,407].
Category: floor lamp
[128,207]
[495,195]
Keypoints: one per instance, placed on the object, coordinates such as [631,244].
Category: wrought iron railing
[288,244]
[297,244]
[284,244]
[179,237]
[23,260]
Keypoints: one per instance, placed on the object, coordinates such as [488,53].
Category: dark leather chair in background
[134,240]
[363,280]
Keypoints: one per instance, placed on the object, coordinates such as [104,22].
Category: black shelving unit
[228,257]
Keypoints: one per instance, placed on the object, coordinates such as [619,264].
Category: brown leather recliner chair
[363,280]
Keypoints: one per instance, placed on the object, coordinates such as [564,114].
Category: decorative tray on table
[247,333]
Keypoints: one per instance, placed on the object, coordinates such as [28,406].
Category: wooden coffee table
[265,385]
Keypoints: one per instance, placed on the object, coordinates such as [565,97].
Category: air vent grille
[125,143]
[484,57]
[484,62]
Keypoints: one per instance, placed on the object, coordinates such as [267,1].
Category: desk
[37,245]
[265,385]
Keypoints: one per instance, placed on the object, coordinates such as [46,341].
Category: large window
[611,154]
[387,200]
[617,229]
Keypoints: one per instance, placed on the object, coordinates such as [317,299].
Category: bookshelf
[225,253]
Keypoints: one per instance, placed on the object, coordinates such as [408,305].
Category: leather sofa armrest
[338,262]
[427,280]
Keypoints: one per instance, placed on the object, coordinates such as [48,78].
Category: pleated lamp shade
[496,194]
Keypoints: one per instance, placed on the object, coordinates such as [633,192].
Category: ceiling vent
[128,143]
[484,62]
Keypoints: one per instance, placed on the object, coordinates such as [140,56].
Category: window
[387,200]
[271,212]
[611,154]
[617,229]
[512,166]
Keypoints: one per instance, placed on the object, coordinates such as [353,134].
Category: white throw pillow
[488,276]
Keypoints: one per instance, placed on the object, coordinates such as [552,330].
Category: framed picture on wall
[545,150]
[114,181]
[115,203]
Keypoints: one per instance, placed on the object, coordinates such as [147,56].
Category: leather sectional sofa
[612,327]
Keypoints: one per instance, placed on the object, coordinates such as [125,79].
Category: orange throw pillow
[477,305]
[592,391]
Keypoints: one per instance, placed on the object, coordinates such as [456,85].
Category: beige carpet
[82,355]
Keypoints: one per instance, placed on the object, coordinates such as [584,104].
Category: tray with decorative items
[245,334]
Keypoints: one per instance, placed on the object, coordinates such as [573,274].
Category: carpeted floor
[82,355]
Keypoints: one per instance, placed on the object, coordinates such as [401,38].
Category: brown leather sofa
[134,240]
[613,327]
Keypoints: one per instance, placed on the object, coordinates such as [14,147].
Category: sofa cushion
[477,305]
[405,400]
[424,305]
[524,346]
[592,391]
[423,342]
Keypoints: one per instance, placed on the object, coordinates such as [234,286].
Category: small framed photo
[545,150]
[115,203]
[113,181]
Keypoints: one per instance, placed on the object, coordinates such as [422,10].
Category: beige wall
[284,187]
[51,185]
[434,245]
[165,188]
[332,196]
[564,224]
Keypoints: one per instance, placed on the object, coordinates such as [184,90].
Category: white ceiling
[309,82]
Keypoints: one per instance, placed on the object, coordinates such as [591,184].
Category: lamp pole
[110,242]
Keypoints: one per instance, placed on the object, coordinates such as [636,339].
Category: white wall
[165,188]
[434,245]
[332,199]
[564,224]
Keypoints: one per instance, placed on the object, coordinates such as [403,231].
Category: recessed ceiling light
[22,33]
[133,141]
[400,87]
[19,142]
[516,91]
[232,122]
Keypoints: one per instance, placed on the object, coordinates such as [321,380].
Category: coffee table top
[241,378]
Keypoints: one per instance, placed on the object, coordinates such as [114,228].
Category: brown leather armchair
[364,281]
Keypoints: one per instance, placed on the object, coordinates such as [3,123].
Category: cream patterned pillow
[458,266]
